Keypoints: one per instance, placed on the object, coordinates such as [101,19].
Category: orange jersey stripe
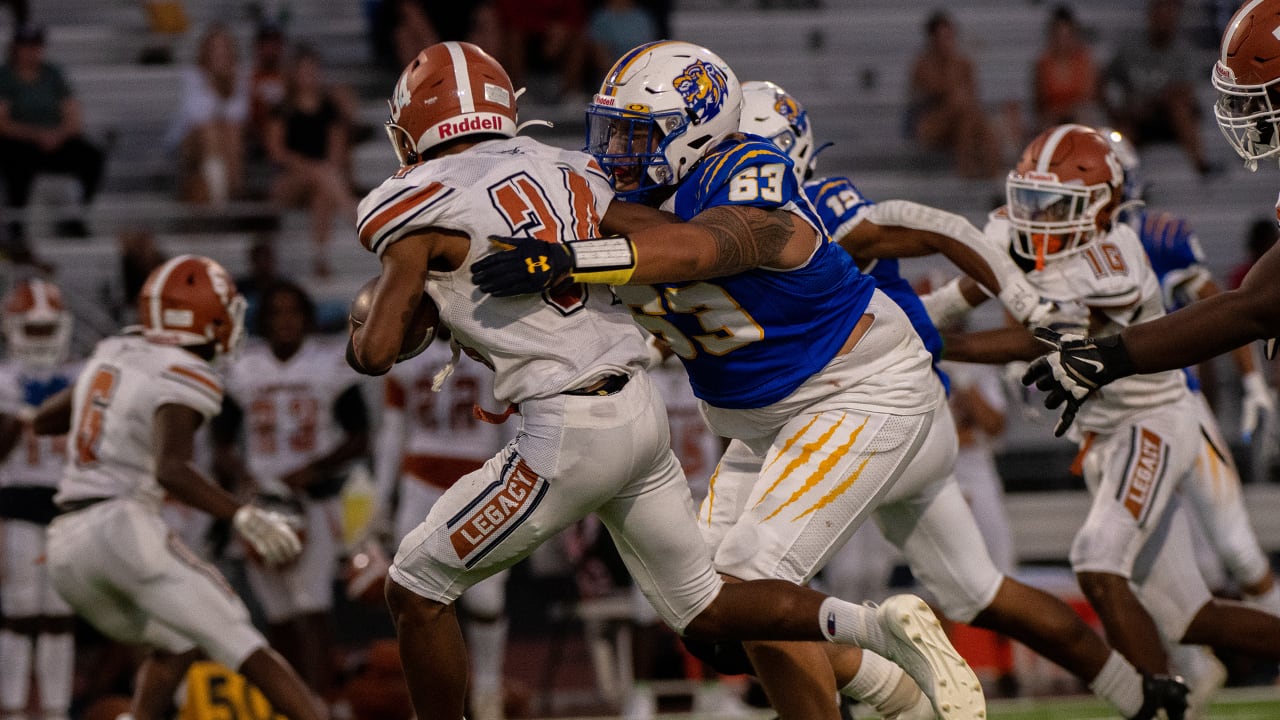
[208,382]
[374,224]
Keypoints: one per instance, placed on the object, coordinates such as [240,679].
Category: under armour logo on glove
[1075,368]
[521,266]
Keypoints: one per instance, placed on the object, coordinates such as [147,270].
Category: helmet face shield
[401,143]
[1249,117]
[629,148]
[1051,218]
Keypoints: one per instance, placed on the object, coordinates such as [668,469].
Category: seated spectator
[1066,80]
[945,111]
[208,129]
[615,28]
[139,255]
[307,139]
[548,33]
[400,29]
[1149,86]
[41,132]
[266,80]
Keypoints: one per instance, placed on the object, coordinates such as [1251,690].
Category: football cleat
[1163,696]
[917,643]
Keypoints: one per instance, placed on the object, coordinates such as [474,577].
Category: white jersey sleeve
[537,345]
[1113,278]
[116,396]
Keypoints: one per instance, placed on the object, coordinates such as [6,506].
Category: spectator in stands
[266,80]
[1149,90]
[548,33]
[307,139]
[262,274]
[945,111]
[41,131]
[399,29]
[1262,234]
[209,126]
[1065,86]
[139,255]
[616,27]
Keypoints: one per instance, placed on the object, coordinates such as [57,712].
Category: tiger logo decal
[703,87]
[790,109]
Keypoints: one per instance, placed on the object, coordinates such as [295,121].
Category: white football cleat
[918,644]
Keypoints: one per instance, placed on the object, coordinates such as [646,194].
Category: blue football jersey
[750,339]
[839,204]
[1176,257]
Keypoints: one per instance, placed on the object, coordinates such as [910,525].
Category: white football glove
[269,533]
[1259,402]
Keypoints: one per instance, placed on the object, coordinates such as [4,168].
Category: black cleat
[1163,692]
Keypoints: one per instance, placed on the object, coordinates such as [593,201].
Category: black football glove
[521,266]
[1074,369]
[1163,692]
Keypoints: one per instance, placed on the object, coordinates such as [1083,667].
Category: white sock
[55,656]
[487,646]
[15,681]
[849,624]
[882,685]
[1268,601]
[1119,683]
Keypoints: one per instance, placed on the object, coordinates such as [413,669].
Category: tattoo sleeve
[747,237]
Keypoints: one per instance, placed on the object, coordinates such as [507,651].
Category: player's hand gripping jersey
[122,385]
[1110,276]
[745,325]
[537,345]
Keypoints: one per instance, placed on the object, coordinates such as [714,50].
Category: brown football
[422,325]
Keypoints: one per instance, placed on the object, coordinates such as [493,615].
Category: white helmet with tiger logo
[662,106]
[769,111]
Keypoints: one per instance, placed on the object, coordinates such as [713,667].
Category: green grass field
[1232,704]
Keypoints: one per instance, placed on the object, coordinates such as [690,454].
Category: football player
[936,530]
[816,376]
[303,419]
[35,632]
[132,417]
[427,440]
[1139,443]
[593,434]
[1247,77]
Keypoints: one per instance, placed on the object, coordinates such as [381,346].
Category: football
[422,325]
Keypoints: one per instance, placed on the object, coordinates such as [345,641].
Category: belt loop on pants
[604,386]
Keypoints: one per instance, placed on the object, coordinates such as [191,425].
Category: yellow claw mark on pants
[791,441]
[711,493]
[823,468]
[839,489]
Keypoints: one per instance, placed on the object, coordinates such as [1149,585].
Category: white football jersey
[35,460]
[697,448]
[443,424]
[124,382]
[1114,279]
[288,406]
[538,345]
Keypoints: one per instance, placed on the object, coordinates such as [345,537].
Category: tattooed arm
[721,241]
[375,344]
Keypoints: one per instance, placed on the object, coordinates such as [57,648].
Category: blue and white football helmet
[770,112]
[662,106]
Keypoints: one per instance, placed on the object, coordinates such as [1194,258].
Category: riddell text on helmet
[470,124]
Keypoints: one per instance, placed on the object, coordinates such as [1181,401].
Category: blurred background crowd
[131,132]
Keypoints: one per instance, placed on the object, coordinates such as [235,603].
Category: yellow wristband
[604,261]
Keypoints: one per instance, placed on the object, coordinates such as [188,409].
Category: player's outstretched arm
[720,241]
[174,434]
[54,415]
[1213,326]
[997,346]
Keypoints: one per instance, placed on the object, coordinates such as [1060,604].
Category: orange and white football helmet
[37,326]
[1246,76]
[192,300]
[1063,191]
[451,90]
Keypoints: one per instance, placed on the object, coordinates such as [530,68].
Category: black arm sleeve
[350,411]
[225,426]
